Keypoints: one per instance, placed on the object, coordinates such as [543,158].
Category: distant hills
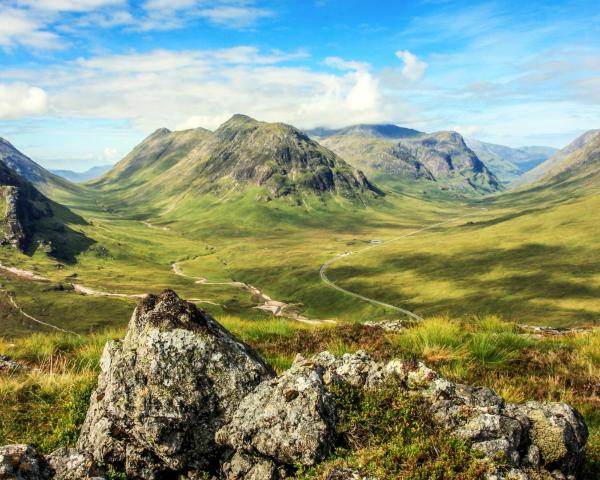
[404,153]
[275,159]
[568,160]
[79,177]
[508,163]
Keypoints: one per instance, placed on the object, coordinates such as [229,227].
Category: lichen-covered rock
[166,388]
[557,435]
[22,462]
[242,466]
[356,369]
[73,464]
[290,419]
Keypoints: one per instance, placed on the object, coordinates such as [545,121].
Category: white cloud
[18,28]
[235,16]
[17,101]
[203,88]
[70,5]
[110,155]
[413,68]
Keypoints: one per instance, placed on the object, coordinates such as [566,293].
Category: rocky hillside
[508,163]
[402,153]
[565,159]
[29,170]
[180,397]
[29,220]
[276,159]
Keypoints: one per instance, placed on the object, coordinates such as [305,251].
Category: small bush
[496,349]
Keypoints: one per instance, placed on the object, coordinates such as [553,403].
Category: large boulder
[290,419]
[73,464]
[165,390]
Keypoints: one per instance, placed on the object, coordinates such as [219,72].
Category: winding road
[332,284]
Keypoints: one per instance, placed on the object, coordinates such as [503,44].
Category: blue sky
[83,81]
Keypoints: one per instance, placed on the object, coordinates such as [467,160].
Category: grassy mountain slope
[281,161]
[391,154]
[554,161]
[509,163]
[48,183]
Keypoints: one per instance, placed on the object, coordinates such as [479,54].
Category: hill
[78,177]
[557,159]
[274,160]
[30,221]
[45,181]
[391,153]
[508,163]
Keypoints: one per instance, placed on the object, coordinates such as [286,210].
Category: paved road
[332,284]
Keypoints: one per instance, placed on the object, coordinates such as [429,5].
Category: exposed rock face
[165,390]
[290,419]
[22,462]
[12,230]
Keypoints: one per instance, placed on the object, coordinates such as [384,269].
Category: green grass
[382,432]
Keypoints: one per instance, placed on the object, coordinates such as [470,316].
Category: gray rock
[73,464]
[242,466]
[166,388]
[22,462]
[558,431]
[290,419]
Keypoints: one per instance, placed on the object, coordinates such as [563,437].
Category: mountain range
[441,158]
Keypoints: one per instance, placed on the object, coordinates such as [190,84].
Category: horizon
[84,81]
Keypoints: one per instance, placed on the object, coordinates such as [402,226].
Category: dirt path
[266,303]
[97,293]
[332,284]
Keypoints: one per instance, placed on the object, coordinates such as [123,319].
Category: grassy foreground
[46,404]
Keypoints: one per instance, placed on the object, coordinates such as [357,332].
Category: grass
[382,432]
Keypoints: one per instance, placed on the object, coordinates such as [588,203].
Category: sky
[83,81]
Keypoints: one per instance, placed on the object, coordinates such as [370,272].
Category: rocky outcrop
[164,391]
[12,230]
[290,419]
[181,397]
[536,438]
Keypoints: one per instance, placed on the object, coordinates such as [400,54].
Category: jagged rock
[290,419]
[242,466]
[387,325]
[345,474]
[166,388]
[356,369]
[12,231]
[22,462]
[73,464]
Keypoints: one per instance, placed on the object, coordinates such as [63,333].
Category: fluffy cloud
[18,28]
[203,88]
[18,101]
[413,68]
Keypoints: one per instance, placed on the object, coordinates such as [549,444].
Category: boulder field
[180,397]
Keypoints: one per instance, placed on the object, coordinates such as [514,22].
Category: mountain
[29,220]
[29,170]
[509,163]
[406,154]
[275,159]
[79,177]
[560,160]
